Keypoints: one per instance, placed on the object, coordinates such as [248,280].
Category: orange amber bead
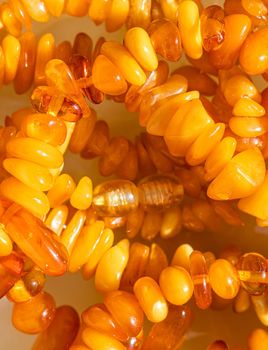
[35,315]
[98,141]
[258,339]
[11,51]
[157,262]
[11,269]
[97,340]
[128,168]
[34,281]
[9,20]
[181,256]
[171,223]
[248,126]
[224,279]
[6,245]
[61,191]
[139,13]
[45,52]
[117,16]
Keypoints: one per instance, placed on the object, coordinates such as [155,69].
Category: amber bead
[169,334]
[61,191]
[134,222]
[224,279]
[45,52]
[98,142]
[117,15]
[9,20]
[11,51]
[36,10]
[170,48]
[34,281]
[242,301]
[199,274]
[61,332]
[55,8]
[258,339]
[11,269]
[63,51]
[157,262]
[260,304]
[139,13]
[18,293]
[232,253]
[181,256]
[21,13]
[97,340]
[218,345]
[171,223]
[6,245]
[35,315]
[252,270]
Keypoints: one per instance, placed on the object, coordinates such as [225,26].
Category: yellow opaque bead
[77,8]
[6,245]
[56,219]
[34,201]
[117,15]
[181,256]
[240,177]
[11,50]
[205,144]
[73,229]
[84,245]
[104,243]
[81,198]
[99,10]
[185,126]
[61,191]
[189,25]
[108,276]
[224,279]
[36,9]
[130,69]
[247,107]
[219,157]
[99,341]
[257,203]
[55,7]
[18,293]
[9,20]
[2,66]
[45,52]
[31,174]
[176,285]
[171,223]
[35,151]
[138,42]
[151,299]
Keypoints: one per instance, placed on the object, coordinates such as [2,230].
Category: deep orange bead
[11,269]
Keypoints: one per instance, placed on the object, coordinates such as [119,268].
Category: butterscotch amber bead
[96,340]
[35,315]
[61,332]
[182,255]
[252,269]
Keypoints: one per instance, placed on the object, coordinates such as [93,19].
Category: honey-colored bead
[151,299]
[108,276]
[237,28]
[248,126]
[84,245]
[189,25]
[170,333]
[171,223]
[170,48]
[138,42]
[156,263]
[6,245]
[96,340]
[11,269]
[34,281]
[126,311]
[218,345]
[30,174]
[224,279]
[35,151]
[185,126]
[260,304]
[77,8]
[247,107]
[117,15]
[130,69]
[190,182]
[258,339]
[219,157]
[61,191]
[81,198]
[252,269]
[181,256]
[139,13]
[21,13]
[99,10]
[45,52]
[253,55]
[33,200]
[35,315]
[11,51]
[107,77]
[240,177]
[9,20]
[242,301]
[36,10]
[115,198]
[98,142]
[26,65]
[176,285]
[104,243]
[55,8]
[151,225]
[61,332]
[134,222]
[18,293]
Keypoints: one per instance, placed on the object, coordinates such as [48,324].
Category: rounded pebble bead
[96,340]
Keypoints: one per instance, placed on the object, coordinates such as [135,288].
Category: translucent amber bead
[18,293]
[34,281]
[134,222]
[45,52]
[63,51]
[61,191]
[6,245]
[130,69]
[171,223]
[82,45]
[35,151]
[137,262]
[27,232]
[224,279]
[203,64]
[103,244]
[151,299]
[252,269]
[151,225]
[81,198]
[55,8]
[117,15]
[218,345]
[170,48]
[99,341]
[258,339]
[11,51]
[247,107]
[9,20]
[107,77]
[181,256]
[159,192]
[26,65]
[170,333]
[139,13]
[231,184]
[35,315]
[84,245]
[115,198]
[260,304]
[73,229]
[30,174]
[199,274]
[156,263]
[242,301]
[126,311]
[108,276]
[237,28]
[61,332]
